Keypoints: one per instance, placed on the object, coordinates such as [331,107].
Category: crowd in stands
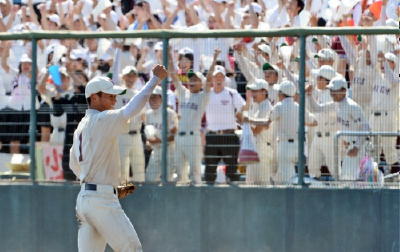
[251,80]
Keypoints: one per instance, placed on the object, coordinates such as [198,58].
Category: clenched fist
[160,72]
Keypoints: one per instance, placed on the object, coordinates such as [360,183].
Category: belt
[379,113]
[221,132]
[321,134]
[94,187]
[60,129]
[183,133]
[132,132]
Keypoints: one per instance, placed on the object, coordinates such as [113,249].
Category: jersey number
[80,148]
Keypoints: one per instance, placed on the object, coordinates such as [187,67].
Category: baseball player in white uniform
[94,158]
[130,144]
[384,105]
[321,151]
[285,115]
[192,105]
[153,129]
[259,109]
[349,117]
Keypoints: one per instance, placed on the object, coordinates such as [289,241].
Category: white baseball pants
[321,153]
[132,155]
[102,220]
[261,172]
[153,172]
[386,121]
[189,150]
[287,154]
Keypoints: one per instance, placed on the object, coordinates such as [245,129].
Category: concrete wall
[188,219]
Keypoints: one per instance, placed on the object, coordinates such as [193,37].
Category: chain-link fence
[233,109]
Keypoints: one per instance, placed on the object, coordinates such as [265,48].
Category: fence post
[301,131]
[32,121]
[164,153]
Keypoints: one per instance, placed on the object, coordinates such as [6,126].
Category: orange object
[376,9]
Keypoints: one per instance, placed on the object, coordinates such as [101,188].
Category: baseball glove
[125,190]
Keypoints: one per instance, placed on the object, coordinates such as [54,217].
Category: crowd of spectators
[369,64]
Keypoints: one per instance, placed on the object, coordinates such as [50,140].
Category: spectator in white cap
[285,116]
[349,117]
[192,104]
[384,109]
[221,140]
[259,108]
[130,143]
[322,151]
[131,79]
[20,101]
[325,56]
[323,75]
[153,131]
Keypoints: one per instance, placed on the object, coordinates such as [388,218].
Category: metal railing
[302,33]
[355,134]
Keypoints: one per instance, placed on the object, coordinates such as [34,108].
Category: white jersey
[261,111]
[365,76]
[94,155]
[385,94]
[136,121]
[349,115]
[326,120]
[285,115]
[154,119]
[191,108]
[221,109]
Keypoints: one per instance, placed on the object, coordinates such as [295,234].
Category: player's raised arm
[172,72]
[210,72]
[136,104]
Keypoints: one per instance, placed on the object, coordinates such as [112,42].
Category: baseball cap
[129,70]
[25,58]
[3,1]
[325,53]
[286,87]
[268,66]
[78,54]
[325,71]
[337,83]
[391,57]
[219,69]
[257,84]
[265,48]
[199,75]
[102,84]
[54,18]
[256,8]
[185,50]
[157,91]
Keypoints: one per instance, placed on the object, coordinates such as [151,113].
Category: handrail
[295,32]
[355,133]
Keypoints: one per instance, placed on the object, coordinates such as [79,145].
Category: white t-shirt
[191,108]
[94,155]
[221,109]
